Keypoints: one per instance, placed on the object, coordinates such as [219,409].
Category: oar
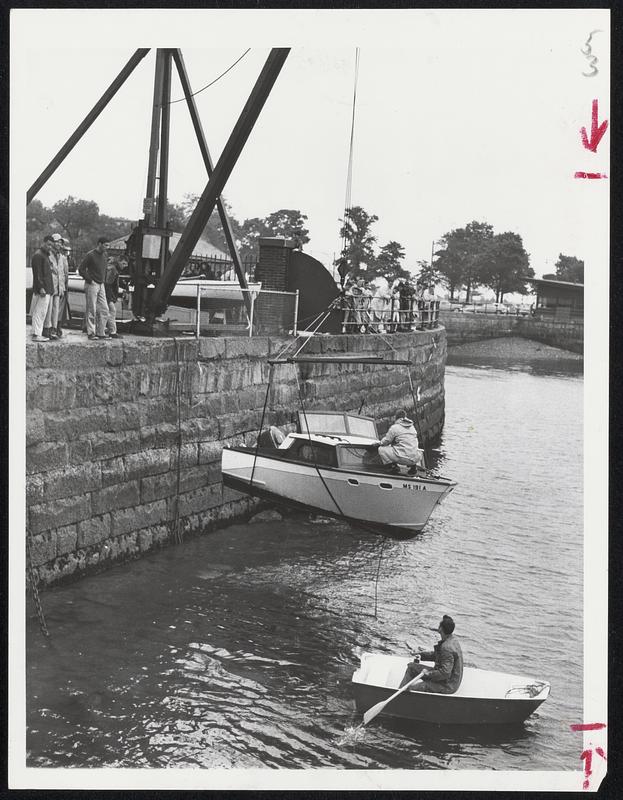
[372,712]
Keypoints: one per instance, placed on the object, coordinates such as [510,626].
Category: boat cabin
[330,451]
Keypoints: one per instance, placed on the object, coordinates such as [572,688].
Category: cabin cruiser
[330,465]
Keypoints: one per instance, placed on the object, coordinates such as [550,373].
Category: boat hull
[441,709]
[485,697]
[400,506]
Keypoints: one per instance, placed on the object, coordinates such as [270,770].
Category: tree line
[465,258]
[81,222]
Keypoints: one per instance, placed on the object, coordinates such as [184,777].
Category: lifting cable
[207,86]
[349,174]
[369,528]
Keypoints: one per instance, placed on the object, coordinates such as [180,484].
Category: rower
[447,674]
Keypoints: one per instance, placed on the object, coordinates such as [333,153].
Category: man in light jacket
[400,445]
[447,674]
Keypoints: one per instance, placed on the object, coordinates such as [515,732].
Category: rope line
[376,580]
[207,86]
[417,418]
[257,444]
[175,523]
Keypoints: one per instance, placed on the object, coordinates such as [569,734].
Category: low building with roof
[558,299]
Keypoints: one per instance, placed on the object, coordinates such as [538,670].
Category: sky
[461,115]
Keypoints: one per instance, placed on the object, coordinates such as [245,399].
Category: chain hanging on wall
[34,587]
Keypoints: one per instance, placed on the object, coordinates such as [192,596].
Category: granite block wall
[467,327]
[123,438]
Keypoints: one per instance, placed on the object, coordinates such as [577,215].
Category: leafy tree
[112,227]
[38,219]
[360,241]
[387,263]
[570,268]
[177,217]
[462,257]
[78,219]
[504,265]
[428,273]
[290,223]
[213,231]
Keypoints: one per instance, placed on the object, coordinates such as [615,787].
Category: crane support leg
[207,160]
[86,123]
[217,181]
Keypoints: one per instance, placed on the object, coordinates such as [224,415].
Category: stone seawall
[468,327]
[568,334]
[124,437]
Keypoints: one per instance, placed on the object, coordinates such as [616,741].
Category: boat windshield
[358,456]
[329,422]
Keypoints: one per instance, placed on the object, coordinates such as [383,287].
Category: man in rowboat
[446,676]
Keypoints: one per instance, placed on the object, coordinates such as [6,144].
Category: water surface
[237,648]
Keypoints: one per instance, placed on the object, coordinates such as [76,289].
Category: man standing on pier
[42,287]
[93,270]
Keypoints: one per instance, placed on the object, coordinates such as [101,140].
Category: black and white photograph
[309,401]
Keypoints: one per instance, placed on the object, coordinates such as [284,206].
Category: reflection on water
[237,649]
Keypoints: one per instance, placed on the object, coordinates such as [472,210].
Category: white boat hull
[399,504]
[484,697]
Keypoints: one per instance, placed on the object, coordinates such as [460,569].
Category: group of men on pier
[50,286]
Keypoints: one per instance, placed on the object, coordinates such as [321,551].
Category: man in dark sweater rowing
[446,676]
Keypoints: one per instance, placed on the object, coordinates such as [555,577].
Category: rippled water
[237,649]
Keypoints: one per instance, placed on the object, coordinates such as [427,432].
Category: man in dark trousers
[447,674]
[42,287]
[93,270]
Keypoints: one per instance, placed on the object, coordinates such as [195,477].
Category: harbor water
[237,648]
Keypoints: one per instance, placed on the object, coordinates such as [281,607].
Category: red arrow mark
[597,131]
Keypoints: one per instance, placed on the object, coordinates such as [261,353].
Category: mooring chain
[34,588]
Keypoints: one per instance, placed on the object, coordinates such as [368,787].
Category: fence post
[251,314]
[198,310]
[296,312]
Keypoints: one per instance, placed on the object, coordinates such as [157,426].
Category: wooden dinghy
[483,698]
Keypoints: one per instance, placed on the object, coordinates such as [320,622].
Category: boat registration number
[414,487]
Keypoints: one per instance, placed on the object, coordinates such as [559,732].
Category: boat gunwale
[270,454]
[484,672]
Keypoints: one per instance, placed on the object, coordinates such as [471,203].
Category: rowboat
[483,698]
[330,465]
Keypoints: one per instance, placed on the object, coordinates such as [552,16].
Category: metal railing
[363,314]
[222,309]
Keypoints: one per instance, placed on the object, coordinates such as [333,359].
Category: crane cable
[349,174]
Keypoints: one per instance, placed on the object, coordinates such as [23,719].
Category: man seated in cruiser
[400,445]
[447,674]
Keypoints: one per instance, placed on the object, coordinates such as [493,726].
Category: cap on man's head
[446,625]
[56,237]
[102,240]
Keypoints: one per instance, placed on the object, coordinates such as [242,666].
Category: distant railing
[364,314]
